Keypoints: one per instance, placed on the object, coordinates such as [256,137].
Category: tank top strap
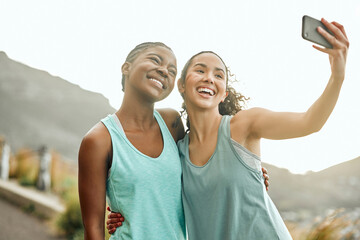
[160,121]
[225,126]
[167,137]
[112,123]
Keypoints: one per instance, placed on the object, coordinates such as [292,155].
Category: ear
[226,94]
[181,86]
[125,68]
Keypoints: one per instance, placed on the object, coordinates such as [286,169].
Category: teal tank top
[226,198]
[145,190]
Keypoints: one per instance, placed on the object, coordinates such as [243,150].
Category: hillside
[334,187]
[37,108]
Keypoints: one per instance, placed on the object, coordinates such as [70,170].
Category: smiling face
[204,85]
[152,74]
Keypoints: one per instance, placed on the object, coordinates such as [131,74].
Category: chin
[156,96]
[205,106]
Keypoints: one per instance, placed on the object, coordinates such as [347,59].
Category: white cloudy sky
[85,42]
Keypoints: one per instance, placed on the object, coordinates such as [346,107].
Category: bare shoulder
[243,116]
[243,121]
[248,115]
[254,120]
[96,143]
[97,135]
[173,122]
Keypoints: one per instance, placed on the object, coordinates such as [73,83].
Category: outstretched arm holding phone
[283,125]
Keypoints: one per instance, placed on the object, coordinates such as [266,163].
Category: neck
[203,123]
[136,113]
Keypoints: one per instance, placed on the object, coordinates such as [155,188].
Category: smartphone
[310,33]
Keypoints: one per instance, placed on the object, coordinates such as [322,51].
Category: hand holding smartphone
[310,33]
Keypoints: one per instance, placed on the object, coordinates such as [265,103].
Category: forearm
[93,214]
[319,112]
[92,203]
[92,211]
[92,232]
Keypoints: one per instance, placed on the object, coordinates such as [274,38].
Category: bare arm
[275,125]
[93,155]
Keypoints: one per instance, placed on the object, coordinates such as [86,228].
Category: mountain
[335,187]
[37,109]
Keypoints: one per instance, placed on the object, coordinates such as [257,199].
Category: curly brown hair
[233,103]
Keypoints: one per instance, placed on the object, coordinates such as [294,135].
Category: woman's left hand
[340,43]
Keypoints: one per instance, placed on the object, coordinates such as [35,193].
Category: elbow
[313,123]
[315,128]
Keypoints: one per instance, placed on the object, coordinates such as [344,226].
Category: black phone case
[310,33]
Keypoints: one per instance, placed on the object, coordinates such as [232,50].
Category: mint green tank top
[226,198]
[145,190]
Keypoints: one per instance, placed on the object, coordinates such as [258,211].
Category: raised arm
[275,125]
[93,156]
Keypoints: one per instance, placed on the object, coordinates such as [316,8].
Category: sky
[86,42]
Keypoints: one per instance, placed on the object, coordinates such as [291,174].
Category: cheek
[171,85]
[222,86]
[191,78]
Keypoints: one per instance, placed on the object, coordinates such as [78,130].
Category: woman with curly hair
[222,189]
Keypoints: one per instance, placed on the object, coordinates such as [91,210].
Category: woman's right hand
[340,43]
[114,221]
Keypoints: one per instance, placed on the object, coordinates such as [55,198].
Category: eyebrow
[161,58]
[205,66]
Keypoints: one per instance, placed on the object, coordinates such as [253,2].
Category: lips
[206,90]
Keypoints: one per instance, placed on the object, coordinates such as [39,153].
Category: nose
[163,72]
[209,78]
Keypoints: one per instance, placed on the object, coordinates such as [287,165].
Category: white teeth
[157,82]
[207,90]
